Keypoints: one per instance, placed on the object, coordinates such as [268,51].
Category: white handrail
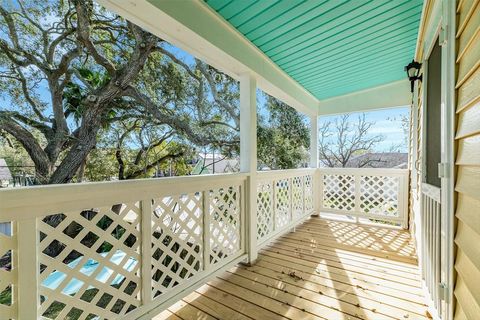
[273,174]
[366,171]
[28,202]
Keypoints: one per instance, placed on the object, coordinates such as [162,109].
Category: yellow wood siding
[467,93]
[468,151]
[468,121]
[467,238]
[468,211]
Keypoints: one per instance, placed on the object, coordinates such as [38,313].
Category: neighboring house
[397,160]
[5,174]
[209,163]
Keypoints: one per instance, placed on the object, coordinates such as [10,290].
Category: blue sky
[387,124]
[387,121]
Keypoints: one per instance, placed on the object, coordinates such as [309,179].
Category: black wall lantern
[413,72]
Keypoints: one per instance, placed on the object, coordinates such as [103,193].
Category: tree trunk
[81,170]
[79,151]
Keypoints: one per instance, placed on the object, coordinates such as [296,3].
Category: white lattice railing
[117,249]
[284,198]
[378,194]
[124,250]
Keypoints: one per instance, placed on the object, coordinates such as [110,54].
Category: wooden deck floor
[324,270]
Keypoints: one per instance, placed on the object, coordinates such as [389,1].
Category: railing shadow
[290,283]
[378,240]
[304,275]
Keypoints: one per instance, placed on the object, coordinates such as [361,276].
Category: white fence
[104,250]
[127,250]
[284,198]
[377,194]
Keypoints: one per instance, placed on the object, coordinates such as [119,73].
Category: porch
[260,245]
[135,248]
[324,269]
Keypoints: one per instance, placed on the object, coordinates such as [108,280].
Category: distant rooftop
[209,163]
[397,160]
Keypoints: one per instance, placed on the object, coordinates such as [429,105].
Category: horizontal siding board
[469,273]
[465,13]
[467,240]
[469,151]
[469,63]
[469,121]
[471,31]
[459,314]
[469,92]
[467,181]
[468,212]
[466,300]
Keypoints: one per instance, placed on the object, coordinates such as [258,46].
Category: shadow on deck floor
[324,270]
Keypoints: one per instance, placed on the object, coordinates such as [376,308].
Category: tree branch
[152,165]
[28,98]
[83,34]
[173,121]
[30,144]
[230,109]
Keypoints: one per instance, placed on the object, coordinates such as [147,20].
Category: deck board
[324,270]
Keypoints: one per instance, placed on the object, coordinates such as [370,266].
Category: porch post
[248,157]
[314,163]
[313,141]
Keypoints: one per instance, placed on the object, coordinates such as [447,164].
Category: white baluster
[206,229]
[28,270]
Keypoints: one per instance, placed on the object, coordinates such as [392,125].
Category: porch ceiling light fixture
[413,72]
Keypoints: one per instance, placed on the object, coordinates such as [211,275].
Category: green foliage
[283,139]
[99,101]
[16,157]
[101,165]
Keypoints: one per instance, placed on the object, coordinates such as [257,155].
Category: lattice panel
[264,209]
[339,192]
[89,263]
[308,193]
[8,307]
[282,203]
[225,214]
[379,195]
[297,196]
[177,236]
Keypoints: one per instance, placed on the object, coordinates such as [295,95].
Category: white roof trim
[390,95]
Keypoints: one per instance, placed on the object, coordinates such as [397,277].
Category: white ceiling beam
[390,95]
[194,27]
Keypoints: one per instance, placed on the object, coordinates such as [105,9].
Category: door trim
[448,151]
[442,25]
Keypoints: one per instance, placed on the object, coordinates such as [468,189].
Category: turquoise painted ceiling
[330,47]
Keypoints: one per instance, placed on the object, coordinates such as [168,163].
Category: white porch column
[313,141]
[314,163]
[248,157]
